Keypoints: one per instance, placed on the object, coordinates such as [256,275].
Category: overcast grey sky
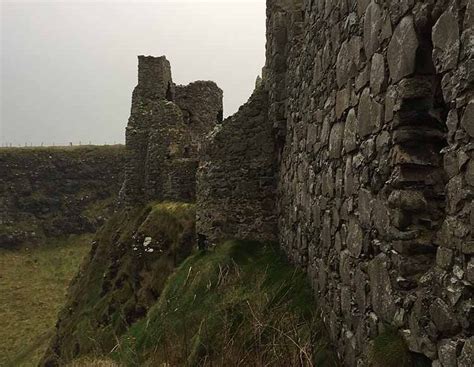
[68,68]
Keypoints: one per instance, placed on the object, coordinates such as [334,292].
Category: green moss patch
[390,350]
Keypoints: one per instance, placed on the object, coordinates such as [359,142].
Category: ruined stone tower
[164,133]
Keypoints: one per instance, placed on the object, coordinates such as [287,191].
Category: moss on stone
[389,349]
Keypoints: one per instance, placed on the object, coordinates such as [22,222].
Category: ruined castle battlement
[164,133]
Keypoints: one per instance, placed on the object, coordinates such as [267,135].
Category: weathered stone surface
[448,353]
[470,172]
[443,317]
[372,28]
[335,140]
[377,73]
[381,288]
[398,9]
[467,121]
[410,200]
[452,122]
[342,101]
[365,208]
[362,6]
[472,215]
[154,78]
[166,128]
[361,282]
[470,271]
[468,247]
[444,257]
[347,60]
[467,355]
[383,208]
[381,217]
[354,238]
[362,78]
[350,133]
[415,87]
[369,114]
[446,41]
[402,49]
[237,172]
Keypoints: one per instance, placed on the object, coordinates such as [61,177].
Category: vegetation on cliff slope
[239,304]
[131,258]
[144,297]
[33,284]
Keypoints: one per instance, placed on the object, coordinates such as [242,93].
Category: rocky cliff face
[51,192]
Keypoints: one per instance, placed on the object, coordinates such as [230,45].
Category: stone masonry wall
[164,132]
[236,177]
[373,106]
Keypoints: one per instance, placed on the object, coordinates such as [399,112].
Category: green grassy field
[33,285]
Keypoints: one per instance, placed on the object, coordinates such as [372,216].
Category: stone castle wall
[164,132]
[236,177]
[375,189]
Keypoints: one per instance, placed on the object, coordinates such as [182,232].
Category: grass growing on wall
[240,304]
[33,283]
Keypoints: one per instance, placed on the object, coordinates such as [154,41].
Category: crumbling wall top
[154,77]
